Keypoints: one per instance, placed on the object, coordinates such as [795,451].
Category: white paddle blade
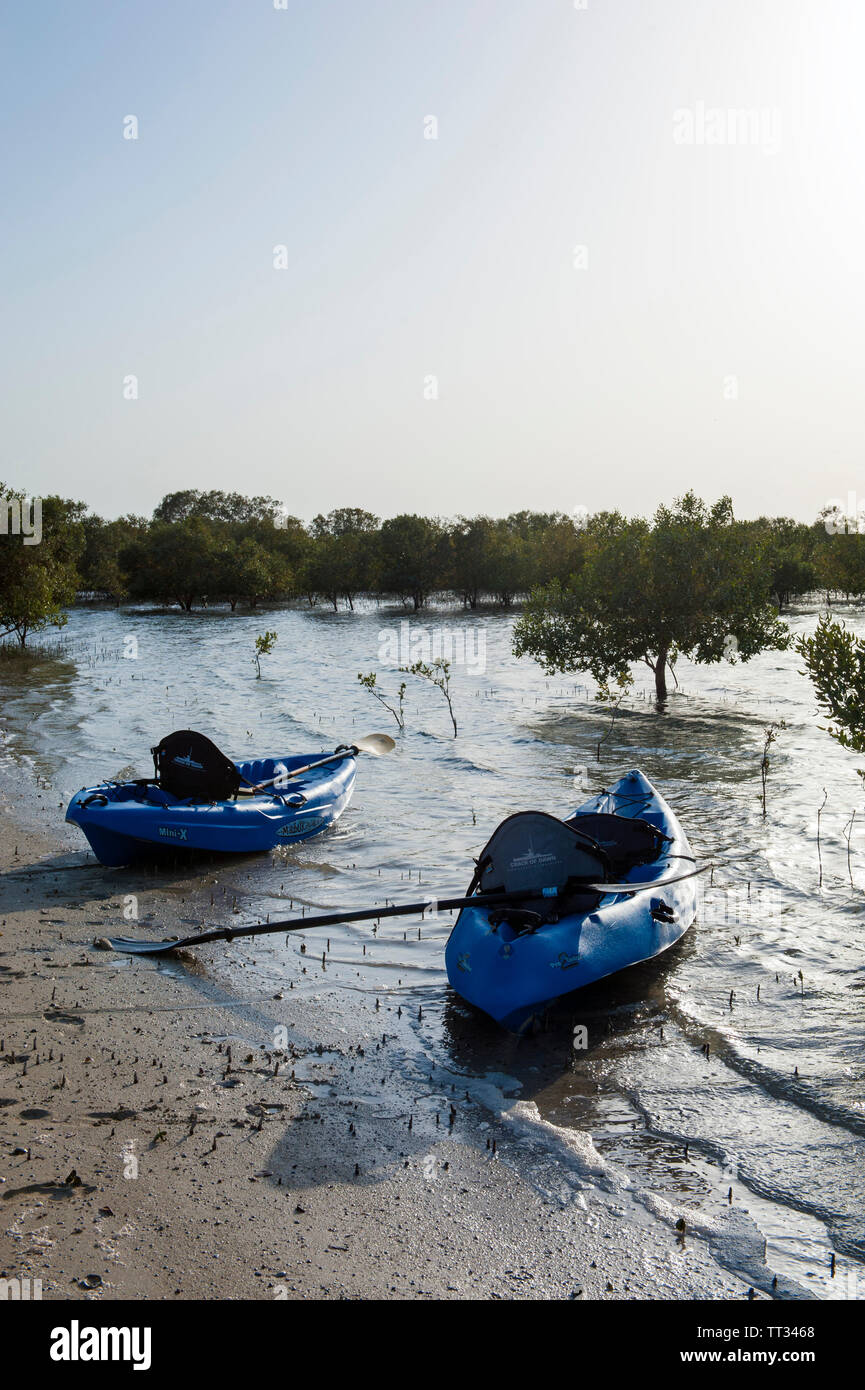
[377,744]
[652,882]
[131,947]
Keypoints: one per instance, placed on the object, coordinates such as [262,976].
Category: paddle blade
[142,948]
[650,883]
[377,744]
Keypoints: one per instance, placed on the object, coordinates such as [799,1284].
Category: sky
[531,253]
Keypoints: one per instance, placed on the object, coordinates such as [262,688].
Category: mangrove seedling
[438,673]
[369,683]
[770,737]
[264,645]
[819,850]
[848,834]
[612,694]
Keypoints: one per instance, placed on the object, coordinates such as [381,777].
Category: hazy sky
[710,334]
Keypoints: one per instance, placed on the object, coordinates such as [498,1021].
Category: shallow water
[771,976]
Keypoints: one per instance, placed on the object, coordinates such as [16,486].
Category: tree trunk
[661,674]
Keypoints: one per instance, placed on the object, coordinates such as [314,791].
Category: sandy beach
[165,1135]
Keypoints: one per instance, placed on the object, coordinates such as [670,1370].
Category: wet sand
[165,1134]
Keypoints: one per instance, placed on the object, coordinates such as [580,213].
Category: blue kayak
[123,820]
[513,963]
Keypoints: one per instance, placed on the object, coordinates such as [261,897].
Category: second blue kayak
[513,963]
[123,820]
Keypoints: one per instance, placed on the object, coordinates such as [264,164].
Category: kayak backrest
[191,767]
[626,840]
[533,850]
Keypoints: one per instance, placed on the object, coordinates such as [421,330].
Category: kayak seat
[536,851]
[191,767]
[626,841]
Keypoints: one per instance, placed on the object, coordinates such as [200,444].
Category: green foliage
[345,521]
[102,565]
[842,565]
[835,661]
[647,592]
[247,570]
[232,508]
[415,557]
[223,547]
[492,557]
[175,562]
[340,566]
[472,563]
[791,551]
[264,645]
[38,581]
[690,579]
[342,559]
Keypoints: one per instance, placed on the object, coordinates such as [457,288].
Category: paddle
[649,883]
[376,744]
[331,919]
[328,919]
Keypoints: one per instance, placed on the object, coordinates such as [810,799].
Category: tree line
[217,547]
[222,548]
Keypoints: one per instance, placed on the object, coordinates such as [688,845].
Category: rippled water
[771,977]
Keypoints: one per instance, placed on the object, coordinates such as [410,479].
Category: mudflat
[168,1132]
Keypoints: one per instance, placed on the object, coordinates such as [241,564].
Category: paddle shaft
[332,919]
[377,744]
[371,914]
[350,752]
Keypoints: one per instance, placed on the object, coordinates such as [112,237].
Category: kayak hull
[515,978]
[124,821]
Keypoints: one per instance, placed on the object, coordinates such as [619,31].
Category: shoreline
[165,1135]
